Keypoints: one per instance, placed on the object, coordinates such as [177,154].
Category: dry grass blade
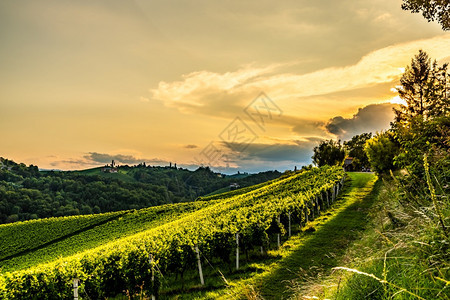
[379,280]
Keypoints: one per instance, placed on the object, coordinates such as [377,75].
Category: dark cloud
[298,152]
[371,118]
[257,157]
[103,158]
[191,146]
[309,127]
[76,162]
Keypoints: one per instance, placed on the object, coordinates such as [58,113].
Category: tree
[329,153]
[432,10]
[355,149]
[422,124]
[381,150]
[424,87]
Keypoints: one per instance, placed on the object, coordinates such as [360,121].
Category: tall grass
[410,255]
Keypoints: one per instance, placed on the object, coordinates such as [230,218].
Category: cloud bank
[225,94]
[371,118]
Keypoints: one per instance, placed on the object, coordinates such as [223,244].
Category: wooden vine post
[289,221]
[200,271]
[333,194]
[324,204]
[75,288]
[318,207]
[150,258]
[278,235]
[306,214]
[237,251]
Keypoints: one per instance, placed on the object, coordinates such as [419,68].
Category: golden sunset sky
[239,85]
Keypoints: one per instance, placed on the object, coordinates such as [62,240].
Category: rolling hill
[27,193]
[109,253]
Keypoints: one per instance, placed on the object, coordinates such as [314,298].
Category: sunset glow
[86,82]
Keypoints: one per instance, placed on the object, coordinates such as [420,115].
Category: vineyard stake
[318,207]
[333,194]
[75,288]
[278,235]
[321,200]
[289,218]
[306,214]
[237,251]
[150,258]
[199,265]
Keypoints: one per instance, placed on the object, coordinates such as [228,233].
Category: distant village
[114,168]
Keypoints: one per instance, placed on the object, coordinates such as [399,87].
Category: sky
[236,85]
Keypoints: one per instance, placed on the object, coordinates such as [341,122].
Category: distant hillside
[27,193]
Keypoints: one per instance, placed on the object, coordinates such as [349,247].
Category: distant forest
[27,193]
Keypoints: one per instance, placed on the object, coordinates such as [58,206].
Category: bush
[381,150]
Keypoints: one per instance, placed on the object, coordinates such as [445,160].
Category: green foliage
[355,149]
[329,153]
[423,125]
[27,193]
[432,10]
[110,268]
[423,86]
[381,151]
[421,137]
[16,238]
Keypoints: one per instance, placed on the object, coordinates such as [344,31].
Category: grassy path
[319,252]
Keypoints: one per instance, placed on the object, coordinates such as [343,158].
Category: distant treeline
[26,193]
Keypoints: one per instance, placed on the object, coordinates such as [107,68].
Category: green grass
[121,174]
[402,254]
[281,272]
[219,191]
[320,252]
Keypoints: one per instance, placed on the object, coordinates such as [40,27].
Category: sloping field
[113,256]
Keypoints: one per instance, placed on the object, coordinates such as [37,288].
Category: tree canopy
[424,87]
[329,153]
[432,10]
[355,150]
[381,151]
[422,125]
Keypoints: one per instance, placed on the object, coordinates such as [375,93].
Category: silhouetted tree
[355,149]
[432,10]
[329,153]
[424,88]
[423,124]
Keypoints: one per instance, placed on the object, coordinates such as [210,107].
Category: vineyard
[133,250]
[49,241]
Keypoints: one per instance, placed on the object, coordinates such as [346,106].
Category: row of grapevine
[235,192]
[124,264]
[16,237]
[127,223]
